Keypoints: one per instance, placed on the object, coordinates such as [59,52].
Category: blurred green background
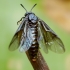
[10,13]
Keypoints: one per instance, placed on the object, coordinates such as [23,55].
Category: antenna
[33,7]
[23,7]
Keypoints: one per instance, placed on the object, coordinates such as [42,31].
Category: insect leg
[20,20]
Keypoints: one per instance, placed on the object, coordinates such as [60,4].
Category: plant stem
[40,63]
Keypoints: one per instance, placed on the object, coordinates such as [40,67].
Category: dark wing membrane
[17,37]
[41,41]
[52,41]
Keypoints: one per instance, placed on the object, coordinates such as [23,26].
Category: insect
[33,33]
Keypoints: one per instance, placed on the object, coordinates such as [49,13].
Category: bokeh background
[56,13]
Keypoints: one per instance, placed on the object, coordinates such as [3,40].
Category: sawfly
[33,33]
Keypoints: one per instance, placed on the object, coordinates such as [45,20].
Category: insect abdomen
[34,47]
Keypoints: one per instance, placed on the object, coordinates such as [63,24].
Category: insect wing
[17,37]
[27,41]
[52,41]
[41,41]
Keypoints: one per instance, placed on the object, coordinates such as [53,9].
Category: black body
[33,50]
[33,24]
